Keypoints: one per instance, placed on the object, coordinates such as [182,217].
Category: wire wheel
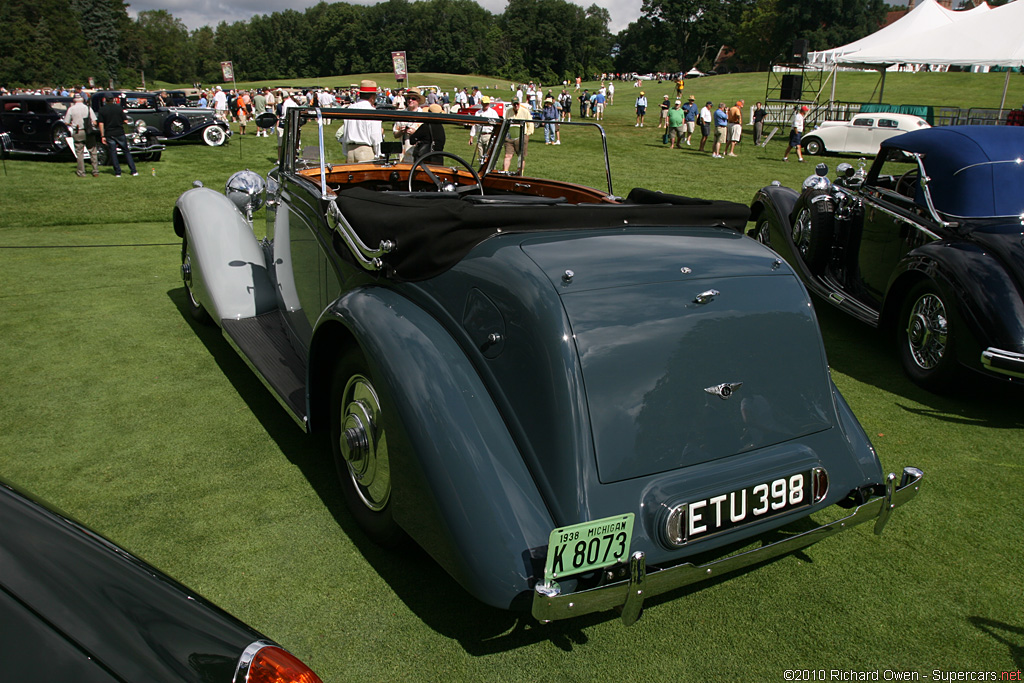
[926,337]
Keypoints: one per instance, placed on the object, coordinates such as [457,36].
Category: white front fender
[229,270]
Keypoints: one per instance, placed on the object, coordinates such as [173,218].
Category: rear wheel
[195,308]
[813,146]
[926,337]
[359,443]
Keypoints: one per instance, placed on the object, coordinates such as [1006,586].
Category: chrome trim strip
[245,661]
[995,360]
[903,218]
[549,605]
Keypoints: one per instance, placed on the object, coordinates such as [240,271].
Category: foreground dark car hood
[76,604]
[670,381]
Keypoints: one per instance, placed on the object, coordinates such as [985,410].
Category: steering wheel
[461,189]
[905,184]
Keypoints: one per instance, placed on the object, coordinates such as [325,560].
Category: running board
[264,344]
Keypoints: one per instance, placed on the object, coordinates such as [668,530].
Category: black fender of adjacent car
[76,607]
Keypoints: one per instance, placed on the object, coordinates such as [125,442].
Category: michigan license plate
[588,546]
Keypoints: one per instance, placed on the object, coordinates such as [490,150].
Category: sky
[197,13]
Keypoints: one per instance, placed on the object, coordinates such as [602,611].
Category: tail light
[263,662]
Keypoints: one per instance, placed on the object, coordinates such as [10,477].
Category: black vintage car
[76,607]
[34,125]
[926,243]
[172,122]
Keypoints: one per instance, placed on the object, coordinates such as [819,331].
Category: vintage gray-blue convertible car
[562,395]
[926,243]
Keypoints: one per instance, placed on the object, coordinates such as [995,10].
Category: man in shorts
[690,111]
[735,119]
[706,118]
[796,132]
[721,131]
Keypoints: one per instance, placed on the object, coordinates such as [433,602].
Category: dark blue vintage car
[926,244]
[550,388]
[76,607]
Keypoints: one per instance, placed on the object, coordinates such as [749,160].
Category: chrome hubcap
[926,332]
[363,443]
[764,234]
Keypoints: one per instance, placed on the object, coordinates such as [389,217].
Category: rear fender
[461,488]
[229,272]
[987,300]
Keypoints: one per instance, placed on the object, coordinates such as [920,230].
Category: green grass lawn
[118,409]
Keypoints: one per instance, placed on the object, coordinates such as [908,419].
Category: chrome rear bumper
[549,604]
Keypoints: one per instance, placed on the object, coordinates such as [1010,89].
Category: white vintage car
[861,135]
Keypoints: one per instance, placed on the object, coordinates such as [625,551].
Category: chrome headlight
[245,190]
[816,182]
[140,126]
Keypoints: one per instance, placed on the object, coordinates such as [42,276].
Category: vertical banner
[398,60]
[228,70]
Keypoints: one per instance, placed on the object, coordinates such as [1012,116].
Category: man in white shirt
[288,103]
[361,139]
[220,104]
[482,132]
[796,133]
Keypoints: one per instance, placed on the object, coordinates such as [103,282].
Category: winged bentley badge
[724,391]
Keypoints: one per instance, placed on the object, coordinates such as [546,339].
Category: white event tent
[926,16]
[932,34]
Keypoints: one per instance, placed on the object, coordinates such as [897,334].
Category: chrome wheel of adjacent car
[214,136]
[925,337]
[763,232]
[813,230]
[813,146]
[359,442]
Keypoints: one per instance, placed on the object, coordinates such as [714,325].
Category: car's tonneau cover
[431,236]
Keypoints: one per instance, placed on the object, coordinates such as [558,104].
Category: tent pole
[881,89]
[1006,84]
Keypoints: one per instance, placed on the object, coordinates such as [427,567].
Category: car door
[893,225]
[860,135]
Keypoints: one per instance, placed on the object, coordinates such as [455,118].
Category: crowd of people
[720,128]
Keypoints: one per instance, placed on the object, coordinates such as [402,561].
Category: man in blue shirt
[721,126]
[690,117]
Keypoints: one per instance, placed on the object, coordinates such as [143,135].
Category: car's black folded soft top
[432,234]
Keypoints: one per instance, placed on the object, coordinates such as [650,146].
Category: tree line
[56,42]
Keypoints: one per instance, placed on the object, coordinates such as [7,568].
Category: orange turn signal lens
[274,665]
